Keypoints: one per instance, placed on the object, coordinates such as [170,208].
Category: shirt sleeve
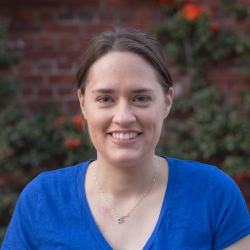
[21,230]
[231,216]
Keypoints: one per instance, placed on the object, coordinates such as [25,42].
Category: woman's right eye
[104,99]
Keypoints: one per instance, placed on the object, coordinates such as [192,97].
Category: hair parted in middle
[124,40]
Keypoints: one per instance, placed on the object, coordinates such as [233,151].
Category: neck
[124,181]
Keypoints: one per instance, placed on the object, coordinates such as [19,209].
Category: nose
[123,114]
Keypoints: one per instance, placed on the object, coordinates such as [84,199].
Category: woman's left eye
[104,99]
[142,99]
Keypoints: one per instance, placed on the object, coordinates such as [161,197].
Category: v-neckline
[89,217]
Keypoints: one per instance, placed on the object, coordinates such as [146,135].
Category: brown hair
[124,40]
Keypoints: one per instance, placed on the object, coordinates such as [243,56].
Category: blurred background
[207,46]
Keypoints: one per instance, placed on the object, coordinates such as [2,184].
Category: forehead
[122,69]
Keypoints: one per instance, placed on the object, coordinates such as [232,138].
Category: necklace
[120,219]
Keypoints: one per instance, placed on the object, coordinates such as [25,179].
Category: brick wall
[50,35]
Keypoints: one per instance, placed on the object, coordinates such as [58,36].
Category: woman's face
[125,106]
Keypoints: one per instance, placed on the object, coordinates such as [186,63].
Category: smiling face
[125,106]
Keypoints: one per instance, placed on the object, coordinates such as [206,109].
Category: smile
[124,136]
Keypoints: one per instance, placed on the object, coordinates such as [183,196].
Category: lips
[124,136]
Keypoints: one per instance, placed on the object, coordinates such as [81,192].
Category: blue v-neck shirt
[202,209]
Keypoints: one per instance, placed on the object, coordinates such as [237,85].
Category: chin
[125,159]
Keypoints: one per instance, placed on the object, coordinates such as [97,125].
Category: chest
[134,231]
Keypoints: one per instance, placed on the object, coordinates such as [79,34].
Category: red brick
[35,105]
[107,16]
[45,92]
[38,54]
[224,87]
[82,4]
[25,66]
[65,65]
[66,42]
[44,4]
[228,75]
[25,16]
[245,27]
[74,54]
[64,91]
[62,78]
[26,91]
[211,3]
[84,41]
[17,28]
[46,42]
[63,28]
[31,78]
[87,15]
[141,26]
[44,65]
[28,41]
[122,3]
[73,105]
[145,14]
[10,4]
[65,15]
[97,28]
[240,87]
[5,14]
[126,15]
[47,16]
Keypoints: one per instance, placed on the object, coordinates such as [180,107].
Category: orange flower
[9,152]
[60,121]
[215,26]
[247,174]
[72,143]
[192,11]
[78,121]
[239,177]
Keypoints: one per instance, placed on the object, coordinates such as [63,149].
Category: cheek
[97,123]
[153,119]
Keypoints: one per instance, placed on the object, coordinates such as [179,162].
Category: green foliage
[32,144]
[205,125]
[193,44]
[211,131]
[8,90]
[236,9]
[6,59]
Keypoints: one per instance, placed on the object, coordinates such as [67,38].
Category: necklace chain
[121,218]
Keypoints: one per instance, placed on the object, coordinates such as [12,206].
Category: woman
[128,198]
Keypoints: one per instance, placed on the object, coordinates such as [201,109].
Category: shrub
[206,125]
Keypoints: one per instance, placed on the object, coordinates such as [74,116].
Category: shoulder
[223,203]
[206,177]
[201,171]
[54,181]
[187,171]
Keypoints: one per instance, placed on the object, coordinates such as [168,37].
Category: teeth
[126,136]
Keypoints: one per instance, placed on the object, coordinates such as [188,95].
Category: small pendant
[121,219]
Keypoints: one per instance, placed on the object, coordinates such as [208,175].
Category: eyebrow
[111,91]
[137,91]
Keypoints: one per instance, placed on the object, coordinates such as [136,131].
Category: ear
[81,101]
[168,102]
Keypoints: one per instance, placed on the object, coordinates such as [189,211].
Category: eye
[104,99]
[142,99]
